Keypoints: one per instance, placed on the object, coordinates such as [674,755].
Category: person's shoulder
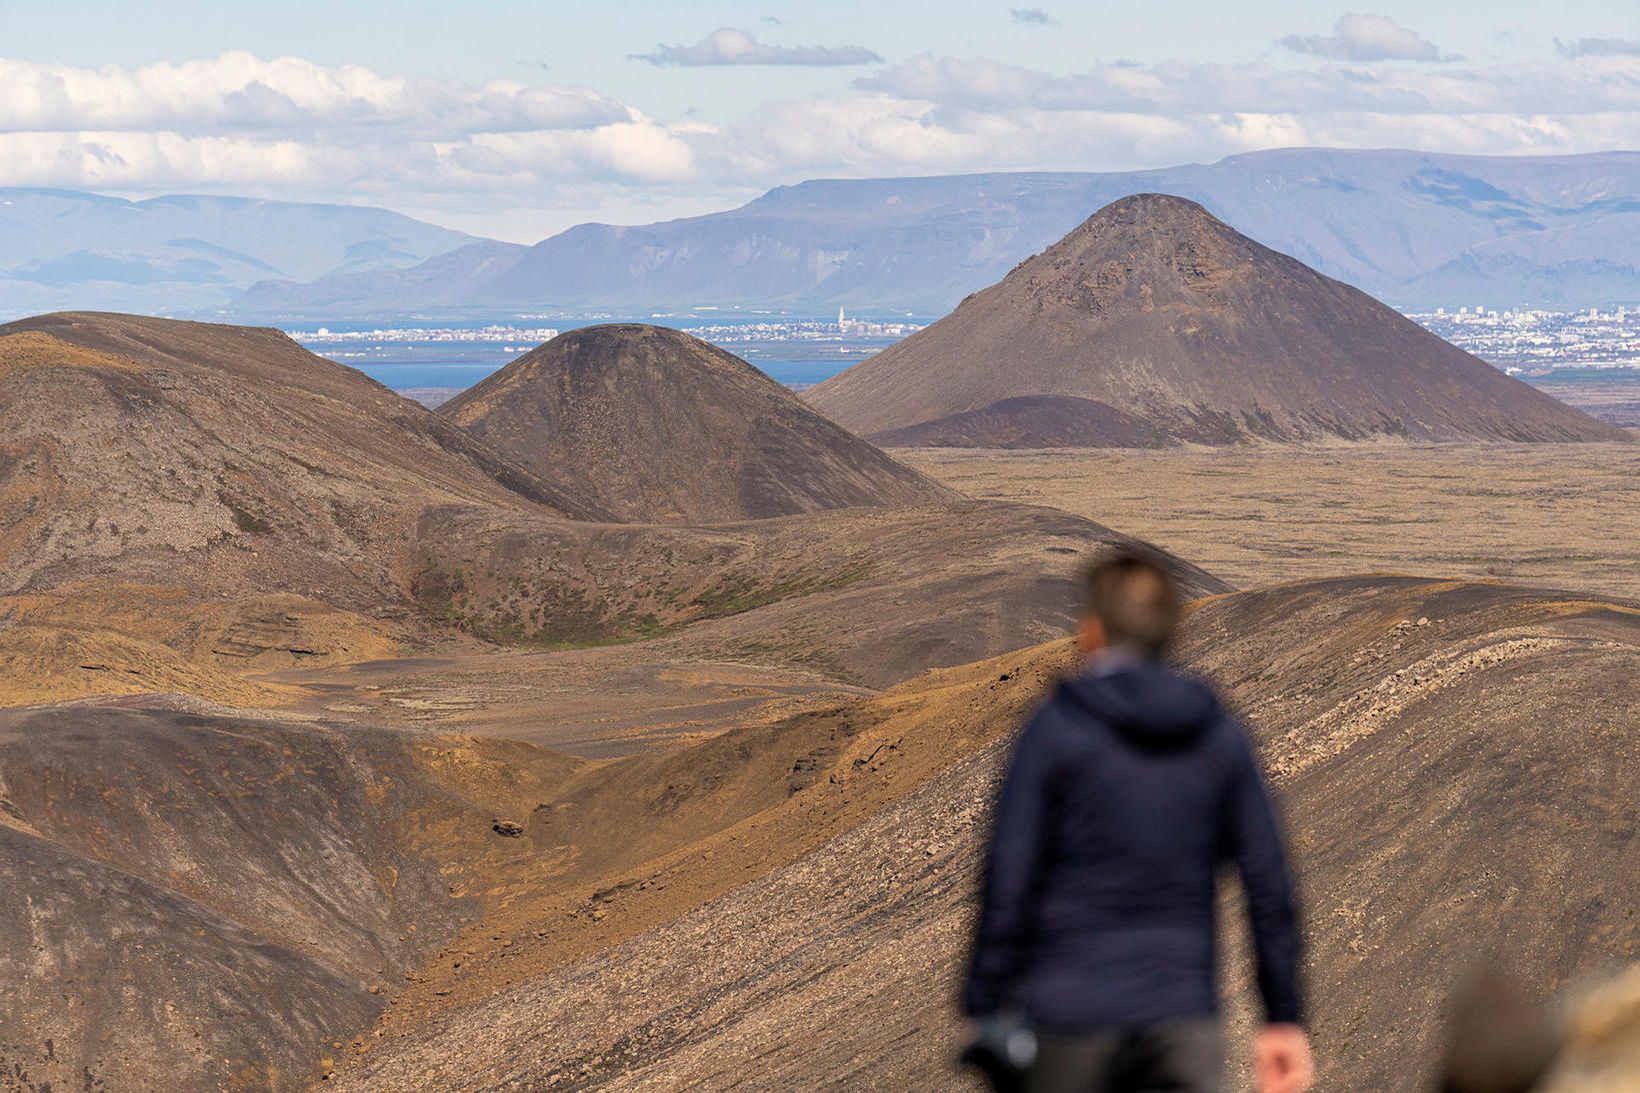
[1056,712]
[1062,699]
[1062,720]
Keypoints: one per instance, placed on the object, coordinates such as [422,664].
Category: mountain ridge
[1413,228]
[189,504]
[178,253]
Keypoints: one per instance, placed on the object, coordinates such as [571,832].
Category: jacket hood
[1148,703]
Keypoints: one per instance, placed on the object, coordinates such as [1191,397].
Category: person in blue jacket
[1127,792]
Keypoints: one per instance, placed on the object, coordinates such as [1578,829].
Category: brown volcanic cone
[655,425]
[1155,323]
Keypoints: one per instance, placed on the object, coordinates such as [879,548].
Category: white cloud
[238,91]
[1032,17]
[937,114]
[290,128]
[1360,37]
[728,46]
[1180,88]
[631,152]
[1600,47]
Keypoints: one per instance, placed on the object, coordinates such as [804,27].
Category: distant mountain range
[167,255]
[1413,229]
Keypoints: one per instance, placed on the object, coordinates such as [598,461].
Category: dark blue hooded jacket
[1128,790]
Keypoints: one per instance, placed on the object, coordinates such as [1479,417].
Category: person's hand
[1281,1060]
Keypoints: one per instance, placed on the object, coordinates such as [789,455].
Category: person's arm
[1011,872]
[1261,859]
[1281,1052]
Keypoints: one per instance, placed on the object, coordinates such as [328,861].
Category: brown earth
[1563,515]
[757,868]
[815,936]
[1153,323]
[186,504]
[595,702]
[210,900]
[201,518]
[1615,400]
[660,427]
[864,595]
[209,494]
[1028,421]
[85,640]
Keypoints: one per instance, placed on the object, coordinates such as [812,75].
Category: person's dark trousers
[1176,1057]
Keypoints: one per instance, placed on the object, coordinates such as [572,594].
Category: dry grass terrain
[1615,399]
[1556,515]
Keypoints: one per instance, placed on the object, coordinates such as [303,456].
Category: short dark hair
[1135,598]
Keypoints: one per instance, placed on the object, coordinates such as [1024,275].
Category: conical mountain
[657,426]
[1155,323]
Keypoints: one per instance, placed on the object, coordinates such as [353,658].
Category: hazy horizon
[435,218]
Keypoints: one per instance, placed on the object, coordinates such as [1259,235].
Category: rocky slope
[257,889]
[1501,716]
[208,898]
[658,426]
[145,438]
[211,901]
[862,595]
[1155,323]
[186,503]
[182,498]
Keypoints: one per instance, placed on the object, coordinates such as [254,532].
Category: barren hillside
[1501,715]
[1153,323]
[658,426]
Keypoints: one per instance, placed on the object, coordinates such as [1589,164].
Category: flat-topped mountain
[657,426]
[1417,229]
[1154,323]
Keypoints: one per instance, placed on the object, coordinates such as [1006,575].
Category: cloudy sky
[516,118]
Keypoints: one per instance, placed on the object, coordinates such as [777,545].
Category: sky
[516,119]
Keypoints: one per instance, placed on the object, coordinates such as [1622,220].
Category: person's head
[1130,602]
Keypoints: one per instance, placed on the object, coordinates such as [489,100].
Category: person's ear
[1090,634]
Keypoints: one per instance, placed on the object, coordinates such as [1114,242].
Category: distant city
[800,351]
[431,362]
[1539,342]
[518,339]
[800,330]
